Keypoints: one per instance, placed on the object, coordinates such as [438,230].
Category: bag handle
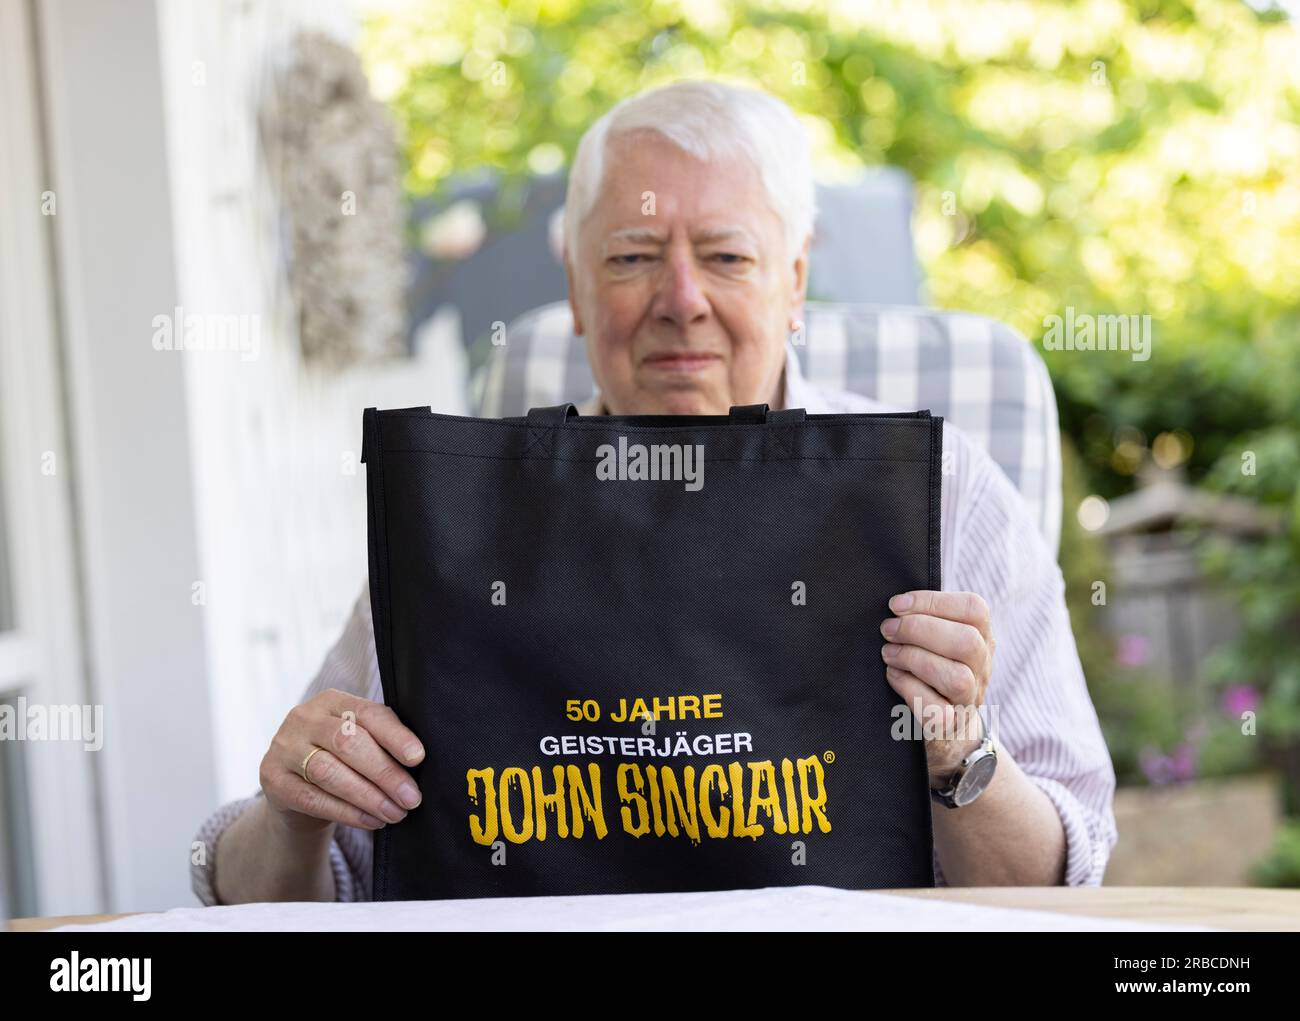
[542,426]
[555,415]
[761,414]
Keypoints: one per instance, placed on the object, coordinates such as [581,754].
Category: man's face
[684,311]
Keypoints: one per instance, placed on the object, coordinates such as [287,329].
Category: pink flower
[1177,767]
[1239,698]
[1133,650]
[1182,763]
[1155,766]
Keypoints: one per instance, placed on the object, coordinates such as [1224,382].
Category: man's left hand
[939,649]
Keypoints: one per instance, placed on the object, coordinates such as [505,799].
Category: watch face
[977,777]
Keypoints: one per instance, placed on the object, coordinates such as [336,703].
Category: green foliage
[1281,867]
[1084,565]
[1264,576]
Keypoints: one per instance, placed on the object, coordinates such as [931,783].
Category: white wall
[196,467]
[280,493]
[41,645]
[129,439]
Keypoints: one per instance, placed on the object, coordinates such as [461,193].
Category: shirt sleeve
[350,665]
[1037,705]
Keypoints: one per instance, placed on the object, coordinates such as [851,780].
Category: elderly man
[687,231]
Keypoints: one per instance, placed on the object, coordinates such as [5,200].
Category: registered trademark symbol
[828,756]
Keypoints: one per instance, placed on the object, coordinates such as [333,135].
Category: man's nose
[680,300]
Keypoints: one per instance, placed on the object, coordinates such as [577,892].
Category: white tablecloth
[775,908]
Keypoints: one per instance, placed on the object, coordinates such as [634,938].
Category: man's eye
[618,259]
[730,255]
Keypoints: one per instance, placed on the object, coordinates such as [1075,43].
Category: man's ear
[573,299]
[799,292]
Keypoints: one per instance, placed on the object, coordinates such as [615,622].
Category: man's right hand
[357,778]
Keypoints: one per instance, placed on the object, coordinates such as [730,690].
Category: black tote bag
[643,653]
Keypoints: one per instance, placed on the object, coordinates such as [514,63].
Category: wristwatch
[972,776]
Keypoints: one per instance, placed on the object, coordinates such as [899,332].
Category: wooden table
[1221,907]
[1246,908]
[38,924]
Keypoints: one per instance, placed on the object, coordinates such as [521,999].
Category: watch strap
[946,795]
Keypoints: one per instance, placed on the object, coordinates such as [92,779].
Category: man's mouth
[681,361]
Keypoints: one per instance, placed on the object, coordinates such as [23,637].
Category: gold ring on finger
[303,770]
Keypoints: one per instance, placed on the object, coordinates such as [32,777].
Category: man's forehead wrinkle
[722,233]
[653,235]
[636,234]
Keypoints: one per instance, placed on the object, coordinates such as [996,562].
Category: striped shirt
[1044,715]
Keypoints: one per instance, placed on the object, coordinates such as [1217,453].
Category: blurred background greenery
[1119,156]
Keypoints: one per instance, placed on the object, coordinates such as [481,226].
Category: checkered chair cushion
[976,372]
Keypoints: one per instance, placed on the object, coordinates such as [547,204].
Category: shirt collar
[796,390]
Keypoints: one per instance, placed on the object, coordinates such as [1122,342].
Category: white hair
[707,119]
